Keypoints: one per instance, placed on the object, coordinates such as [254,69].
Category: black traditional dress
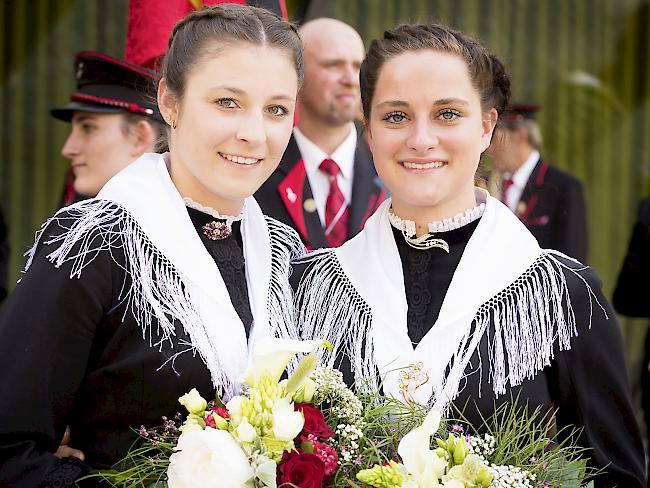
[102,342]
[493,319]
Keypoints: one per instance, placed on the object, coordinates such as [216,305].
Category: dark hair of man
[205,32]
[486,71]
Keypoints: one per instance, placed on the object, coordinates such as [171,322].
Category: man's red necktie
[336,209]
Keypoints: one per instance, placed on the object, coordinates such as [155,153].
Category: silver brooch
[216,230]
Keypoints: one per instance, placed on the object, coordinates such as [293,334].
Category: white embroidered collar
[445,225]
[214,213]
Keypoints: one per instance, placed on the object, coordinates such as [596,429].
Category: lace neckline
[213,213]
[445,225]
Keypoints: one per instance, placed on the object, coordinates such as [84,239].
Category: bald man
[326,185]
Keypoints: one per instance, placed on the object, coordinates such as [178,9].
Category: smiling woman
[228,133]
[445,299]
[165,280]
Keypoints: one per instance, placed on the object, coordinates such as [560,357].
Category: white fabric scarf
[157,231]
[503,276]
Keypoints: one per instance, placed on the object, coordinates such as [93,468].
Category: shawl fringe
[159,294]
[531,316]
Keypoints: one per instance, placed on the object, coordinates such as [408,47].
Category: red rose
[301,469]
[221,412]
[314,421]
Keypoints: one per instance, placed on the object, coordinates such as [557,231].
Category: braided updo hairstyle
[205,32]
[486,71]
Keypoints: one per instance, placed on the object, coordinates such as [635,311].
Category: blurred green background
[586,62]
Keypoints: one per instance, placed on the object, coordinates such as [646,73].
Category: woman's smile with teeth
[428,165]
[239,159]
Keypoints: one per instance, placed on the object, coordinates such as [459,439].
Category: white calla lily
[423,465]
[272,355]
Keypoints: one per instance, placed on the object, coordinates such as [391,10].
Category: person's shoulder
[562,177]
[93,214]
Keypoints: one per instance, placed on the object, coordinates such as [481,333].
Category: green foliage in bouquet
[513,447]
[516,437]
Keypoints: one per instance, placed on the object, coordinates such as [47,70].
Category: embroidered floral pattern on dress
[419,297]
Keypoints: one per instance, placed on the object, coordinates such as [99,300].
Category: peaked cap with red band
[518,112]
[110,85]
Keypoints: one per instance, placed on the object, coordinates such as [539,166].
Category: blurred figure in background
[631,296]
[326,185]
[114,118]
[548,201]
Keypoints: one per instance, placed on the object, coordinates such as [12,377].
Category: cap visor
[66,112]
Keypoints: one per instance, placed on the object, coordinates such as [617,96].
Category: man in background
[548,201]
[326,185]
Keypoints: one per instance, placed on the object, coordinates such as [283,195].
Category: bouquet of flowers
[311,431]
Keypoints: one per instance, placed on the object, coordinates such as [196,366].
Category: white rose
[246,432]
[287,423]
[234,405]
[194,402]
[206,457]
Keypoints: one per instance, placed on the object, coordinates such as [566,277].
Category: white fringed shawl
[354,297]
[173,277]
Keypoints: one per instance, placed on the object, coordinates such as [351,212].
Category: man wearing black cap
[114,119]
[548,201]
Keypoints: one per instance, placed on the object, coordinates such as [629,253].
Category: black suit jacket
[287,195]
[552,207]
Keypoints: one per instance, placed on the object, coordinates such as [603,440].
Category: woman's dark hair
[225,25]
[486,71]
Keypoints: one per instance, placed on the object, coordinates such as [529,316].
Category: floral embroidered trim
[212,212]
[445,225]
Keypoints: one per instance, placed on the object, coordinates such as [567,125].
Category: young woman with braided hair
[445,296]
[165,280]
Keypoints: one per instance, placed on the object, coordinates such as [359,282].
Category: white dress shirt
[313,156]
[519,180]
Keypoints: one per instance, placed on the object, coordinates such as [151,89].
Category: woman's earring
[174,124]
